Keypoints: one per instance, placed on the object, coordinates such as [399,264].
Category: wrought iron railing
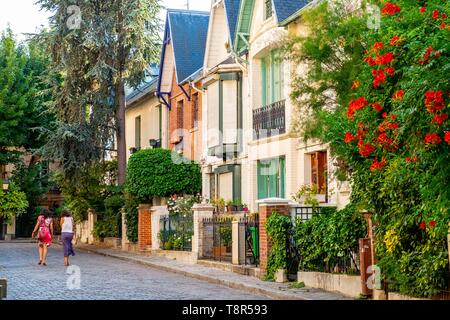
[269,120]
[250,227]
[176,233]
[217,238]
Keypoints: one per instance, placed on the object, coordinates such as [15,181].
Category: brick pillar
[266,208]
[145,226]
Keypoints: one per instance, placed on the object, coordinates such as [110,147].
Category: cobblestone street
[102,278]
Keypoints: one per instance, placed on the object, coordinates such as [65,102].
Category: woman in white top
[67,235]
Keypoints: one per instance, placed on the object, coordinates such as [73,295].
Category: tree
[380,98]
[98,47]
[12,203]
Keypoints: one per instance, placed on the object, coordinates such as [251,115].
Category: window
[319,171]
[195,103]
[268,9]
[271,178]
[180,115]
[137,133]
[272,78]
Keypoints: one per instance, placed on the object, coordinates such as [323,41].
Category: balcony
[270,120]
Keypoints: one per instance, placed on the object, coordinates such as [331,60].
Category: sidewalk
[254,285]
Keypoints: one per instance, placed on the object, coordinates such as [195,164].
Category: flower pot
[219,251]
[281,276]
[240,208]
[230,208]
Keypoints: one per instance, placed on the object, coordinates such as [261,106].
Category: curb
[231,284]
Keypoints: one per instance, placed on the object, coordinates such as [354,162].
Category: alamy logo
[374,281]
[74,280]
[74,20]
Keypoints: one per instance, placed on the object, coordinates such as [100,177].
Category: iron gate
[217,238]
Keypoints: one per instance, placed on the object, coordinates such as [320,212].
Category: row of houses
[221,96]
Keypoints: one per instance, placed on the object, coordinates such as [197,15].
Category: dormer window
[268,9]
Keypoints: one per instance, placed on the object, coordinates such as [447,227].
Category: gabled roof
[232,12]
[286,8]
[187,31]
[283,11]
[146,87]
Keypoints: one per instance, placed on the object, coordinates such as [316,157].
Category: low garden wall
[345,284]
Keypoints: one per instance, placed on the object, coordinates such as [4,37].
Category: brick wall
[265,210]
[145,227]
[191,149]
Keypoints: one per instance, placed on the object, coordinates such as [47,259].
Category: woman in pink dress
[45,234]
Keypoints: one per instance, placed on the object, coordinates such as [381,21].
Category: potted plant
[238,205]
[220,205]
[230,206]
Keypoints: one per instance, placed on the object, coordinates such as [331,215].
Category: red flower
[423,225]
[348,137]
[366,149]
[394,40]
[379,78]
[409,159]
[385,58]
[390,9]
[377,106]
[432,138]
[355,105]
[427,55]
[398,95]
[376,165]
[393,126]
[384,115]
[438,119]
[447,137]
[442,25]
[384,139]
[377,46]
[434,101]
[432,223]
[370,61]
[423,9]
[435,14]
[444,16]
[390,71]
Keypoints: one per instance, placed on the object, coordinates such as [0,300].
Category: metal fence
[303,213]
[249,228]
[217,238]
[176,233]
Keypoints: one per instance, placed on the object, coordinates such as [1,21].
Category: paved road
[102,278]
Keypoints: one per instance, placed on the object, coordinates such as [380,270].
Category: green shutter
[282,177]
[137,133]
[262,182]
[264,82]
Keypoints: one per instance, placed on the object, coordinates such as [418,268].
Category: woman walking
[67,235]
[45,235]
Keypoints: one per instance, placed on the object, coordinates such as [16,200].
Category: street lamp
[5,185]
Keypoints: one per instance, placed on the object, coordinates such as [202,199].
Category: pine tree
[98,47]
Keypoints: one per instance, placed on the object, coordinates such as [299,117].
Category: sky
[24,16]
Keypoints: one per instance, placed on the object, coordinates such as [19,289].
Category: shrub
[131,217]
[329,237]
[278,229]
[161,173]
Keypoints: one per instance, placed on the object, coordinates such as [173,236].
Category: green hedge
[328,237]
[161,173]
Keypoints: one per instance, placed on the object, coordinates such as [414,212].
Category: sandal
[44,264]
[40,262]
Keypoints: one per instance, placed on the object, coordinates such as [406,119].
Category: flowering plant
[389,124]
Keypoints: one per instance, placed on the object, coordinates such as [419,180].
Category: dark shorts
[66,238]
